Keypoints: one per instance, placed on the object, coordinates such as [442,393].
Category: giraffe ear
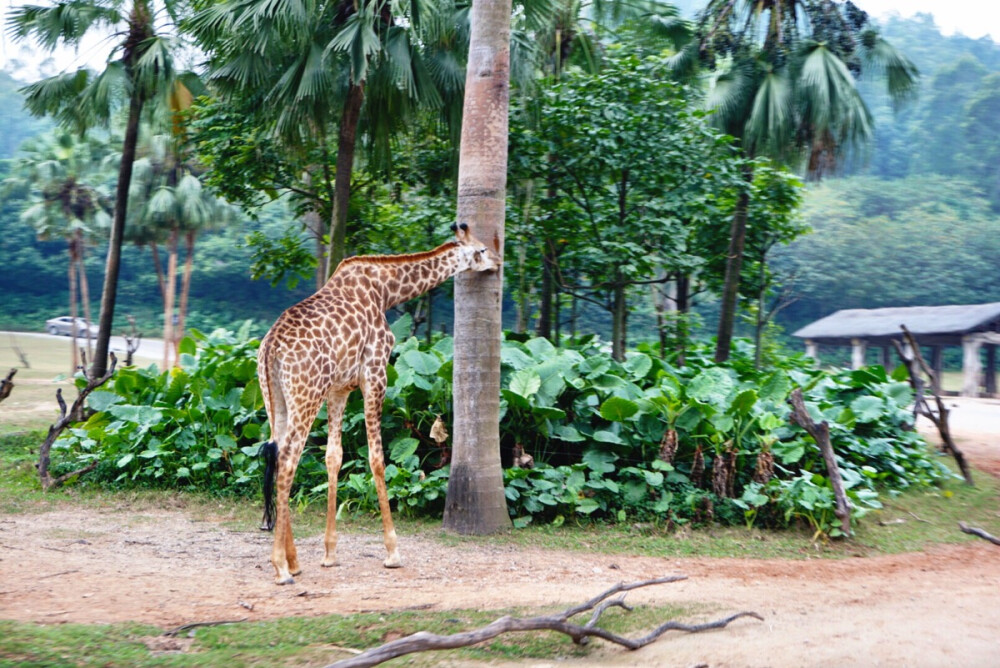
[454,227]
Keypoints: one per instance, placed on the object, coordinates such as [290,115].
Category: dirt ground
[939,608]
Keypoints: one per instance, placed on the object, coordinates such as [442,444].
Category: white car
[63,326]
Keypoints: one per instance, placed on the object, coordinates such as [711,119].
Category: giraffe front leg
[374,394]
[334,458]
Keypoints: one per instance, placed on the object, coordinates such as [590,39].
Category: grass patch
[297,641]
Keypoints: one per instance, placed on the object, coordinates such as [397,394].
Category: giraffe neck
[402,277]
[406,280]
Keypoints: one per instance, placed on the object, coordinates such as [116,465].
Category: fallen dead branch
[7,384]
[67,417]
[976,531]
[580,633]
[821,434]
[195,625]
[915,363]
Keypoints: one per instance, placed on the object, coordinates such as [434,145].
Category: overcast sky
[973,18]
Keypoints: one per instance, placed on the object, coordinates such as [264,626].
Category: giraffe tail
[269,451]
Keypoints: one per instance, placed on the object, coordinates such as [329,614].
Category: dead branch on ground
[821,434]
[915,362]
[65,419]
[7,385]
[976,531]
[580,633]
[195,625]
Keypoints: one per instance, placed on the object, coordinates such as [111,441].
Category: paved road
[149,349]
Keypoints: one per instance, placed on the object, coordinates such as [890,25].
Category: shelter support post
[858,350]
[885,358]
[971,366]
[812,350]
[991,370]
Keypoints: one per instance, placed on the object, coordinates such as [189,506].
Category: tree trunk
[619,317]
[734,263]
[346,142]
[113,265]
[544,327]
[168,298]
[84,291]
[475,503]
[74,350]
[683,316]
[189,238]
[758,335]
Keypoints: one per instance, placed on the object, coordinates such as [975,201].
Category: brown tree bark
[734,264]
[821,434]
[84,290]
[475,502]
[168,298]
[346,144]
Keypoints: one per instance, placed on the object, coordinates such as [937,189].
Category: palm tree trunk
[189,238]
[113,265]
[168,298]
[75,353]
[346,142]
[734,263]
[160,280]
[84,291]
[475,503]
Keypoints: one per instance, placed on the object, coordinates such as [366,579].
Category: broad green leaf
[599,461]
[515,358]
[101,400]
[617,409]
[123,462]
[567,433]
[541,348]
[744,402]
[251,399]
[401,327]
[525,382]
[586,506]
[711,386]
[402,449]
[145,416]
[638,365]
[516,400]
[422,363]
[604,436]
[867,408]
[187,346]
[776,387]
[225,441]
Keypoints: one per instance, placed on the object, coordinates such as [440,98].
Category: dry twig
[194,625]
[976,531]
[424,641]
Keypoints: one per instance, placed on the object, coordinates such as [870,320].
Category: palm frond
[64,22]
[770,124]
[358,39]
[901,74]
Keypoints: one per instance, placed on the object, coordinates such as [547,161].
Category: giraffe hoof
[287,580]
[393,561]
[328,563]
[296,571]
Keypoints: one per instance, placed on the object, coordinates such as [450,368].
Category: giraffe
[322,349]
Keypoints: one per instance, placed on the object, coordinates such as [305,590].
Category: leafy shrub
[644,439]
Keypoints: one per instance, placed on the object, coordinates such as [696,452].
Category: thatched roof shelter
[932,325]
[974,327]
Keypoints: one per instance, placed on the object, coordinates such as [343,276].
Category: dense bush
[644,440]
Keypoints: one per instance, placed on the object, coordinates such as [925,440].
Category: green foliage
[595,427]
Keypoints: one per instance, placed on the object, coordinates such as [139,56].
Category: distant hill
[16,122]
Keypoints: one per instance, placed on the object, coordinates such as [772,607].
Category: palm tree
[362,66]
[168,202]
[783,83]
[475,502]
[140,66]
[63,176]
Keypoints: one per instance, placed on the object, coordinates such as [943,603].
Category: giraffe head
[474,254]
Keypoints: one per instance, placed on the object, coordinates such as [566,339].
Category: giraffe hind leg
[335,402]
[374,395]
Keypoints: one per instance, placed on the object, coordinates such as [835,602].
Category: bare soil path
[939,608]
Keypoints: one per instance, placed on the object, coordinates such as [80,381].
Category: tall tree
[64,176]
[140,67]
[475,502]
[331,73]
[785,86]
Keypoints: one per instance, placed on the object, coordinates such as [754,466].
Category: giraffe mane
[404,258]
